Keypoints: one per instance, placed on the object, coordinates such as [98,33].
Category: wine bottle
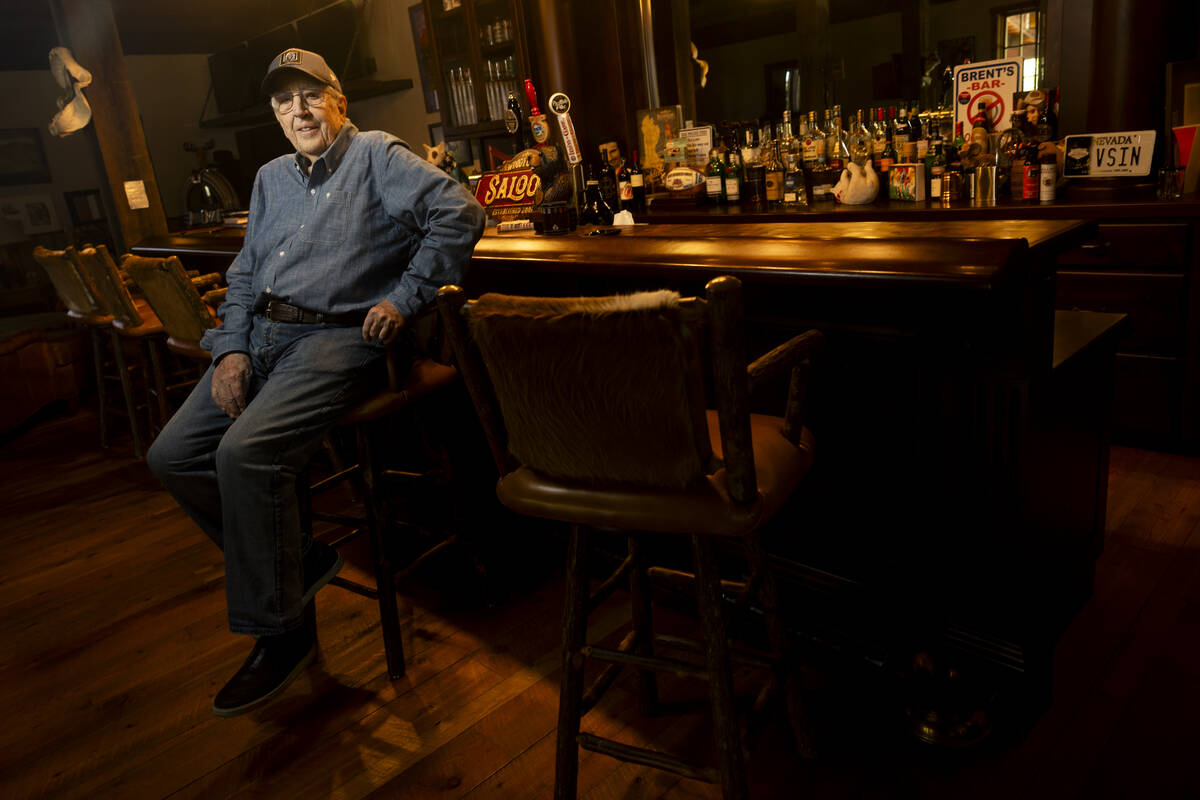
[714,178]
[637,183]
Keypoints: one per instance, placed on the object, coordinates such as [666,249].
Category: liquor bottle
[624,187]
[886,161]
[918,130]
[813,147]
[837,149]
[831,137]
[859,141]
[981,128]
[902,131]
[595,210]
[637,183]
[772,173]
[714,178]
[1048,163]
[1010,163]
[878,139]
[937,169]
[795,193]
[608,181]
[959,140]
[733,177]
[1031,177]
[789,145]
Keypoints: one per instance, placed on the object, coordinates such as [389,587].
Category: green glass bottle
[714,178]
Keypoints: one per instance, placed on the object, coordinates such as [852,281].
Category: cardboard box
[907,182]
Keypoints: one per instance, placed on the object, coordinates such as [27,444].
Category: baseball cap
[305,61]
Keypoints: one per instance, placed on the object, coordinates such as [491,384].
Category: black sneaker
[274,662]
[321,564]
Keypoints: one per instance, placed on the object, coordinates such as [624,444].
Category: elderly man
[347,239]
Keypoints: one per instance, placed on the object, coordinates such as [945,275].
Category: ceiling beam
[88,28]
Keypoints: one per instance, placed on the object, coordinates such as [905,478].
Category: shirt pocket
[330,219]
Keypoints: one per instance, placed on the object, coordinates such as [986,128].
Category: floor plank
[114,640]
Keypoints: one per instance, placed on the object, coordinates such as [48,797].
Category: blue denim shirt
[371,222]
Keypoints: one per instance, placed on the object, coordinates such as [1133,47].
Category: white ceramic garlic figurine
[859,184]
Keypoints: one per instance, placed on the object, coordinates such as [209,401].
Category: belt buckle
[282,312]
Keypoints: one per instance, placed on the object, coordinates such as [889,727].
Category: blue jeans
[237,478]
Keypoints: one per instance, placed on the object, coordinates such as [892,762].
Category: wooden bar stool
[137,341]
[80,295]
[408,388]
[596,415]
[185,314]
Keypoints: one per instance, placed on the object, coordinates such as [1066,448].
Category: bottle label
[1030,180]
[1046,187]
[712,185]
[774,186]
[935,186]
[733,188]
[636,180]
[885,164]
[625,190]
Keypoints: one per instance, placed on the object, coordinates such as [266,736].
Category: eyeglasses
[282,102]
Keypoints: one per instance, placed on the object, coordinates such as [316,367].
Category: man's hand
[231,378]
[383,322]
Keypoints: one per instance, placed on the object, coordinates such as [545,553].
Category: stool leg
[160,382]
[785,677]
[643,624]
[370,469]
[127,390]
[570,698]
[101,389]
[725,727]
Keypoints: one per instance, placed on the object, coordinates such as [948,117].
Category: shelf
[355,90]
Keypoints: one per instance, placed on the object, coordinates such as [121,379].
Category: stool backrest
[110,286]
[606,390]
[71,283]
[172,295]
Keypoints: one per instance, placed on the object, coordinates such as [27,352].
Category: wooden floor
[114,642]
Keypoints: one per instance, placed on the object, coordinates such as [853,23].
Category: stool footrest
[683,669]
[754,658]
[610,584]
[356,587]
[686,581]
[609,675]
[648,758]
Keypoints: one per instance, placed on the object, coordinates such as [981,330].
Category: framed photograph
[35,213]
[420,32]
[22,158]
[436,133]
[84,207]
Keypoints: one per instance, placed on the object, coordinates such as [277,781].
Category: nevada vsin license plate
[1103,154]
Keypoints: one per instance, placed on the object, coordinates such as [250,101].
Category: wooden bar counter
[962,424]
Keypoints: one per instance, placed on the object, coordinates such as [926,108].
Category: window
[1019,36]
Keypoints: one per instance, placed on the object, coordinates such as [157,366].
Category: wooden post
[88,28]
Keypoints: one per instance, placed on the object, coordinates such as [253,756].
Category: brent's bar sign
[508,194]
[1102,155]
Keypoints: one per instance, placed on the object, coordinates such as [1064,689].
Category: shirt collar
[333,154]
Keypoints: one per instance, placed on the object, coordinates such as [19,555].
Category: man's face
[310,129]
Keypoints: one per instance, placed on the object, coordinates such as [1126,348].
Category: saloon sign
[508,194]
[990,82]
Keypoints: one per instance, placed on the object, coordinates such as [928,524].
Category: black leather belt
[276,311]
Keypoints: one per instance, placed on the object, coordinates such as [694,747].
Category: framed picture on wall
[22,158]
[420,32]
[35,213]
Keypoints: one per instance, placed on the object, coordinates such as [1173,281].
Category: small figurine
[858,186]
